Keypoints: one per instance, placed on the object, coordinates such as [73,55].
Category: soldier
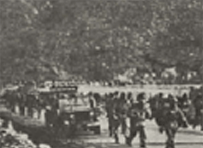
[191,92]
[13,101]
[30,103]
[172,119]
[92,101]
[109,111]
[22,104]
[155,105]
[123,112]
[138,113]
[5,122]
[157,110]
[130,97]
[39,105]
[184,103]
[9,100]
[181,100]
[115,117]
[50,116]
[97,97]
[198,104]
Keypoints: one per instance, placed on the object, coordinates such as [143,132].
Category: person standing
[109,111]
[50,116]
[92,100]
[30,102]
[115,117]
[123,112]
[22,102]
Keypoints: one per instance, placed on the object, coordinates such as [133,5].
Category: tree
[98,39]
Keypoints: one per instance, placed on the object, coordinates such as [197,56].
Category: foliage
[98,39]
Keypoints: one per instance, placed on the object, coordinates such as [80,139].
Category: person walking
[138,113]
[198,104]
[172,118]
[123,112]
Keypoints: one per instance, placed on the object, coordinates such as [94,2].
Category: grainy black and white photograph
[101,73]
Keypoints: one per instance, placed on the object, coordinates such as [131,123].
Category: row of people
[119,108]
[191,107]
[165,109]
[27,104]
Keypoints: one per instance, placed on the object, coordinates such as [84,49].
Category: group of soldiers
[124,110]
[29,104]
[169,112]
[121,107]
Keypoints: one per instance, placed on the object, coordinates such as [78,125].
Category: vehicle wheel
[97,130]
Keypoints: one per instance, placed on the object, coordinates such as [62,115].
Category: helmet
[172,98]
[141,96]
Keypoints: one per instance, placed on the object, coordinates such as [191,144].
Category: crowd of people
[32,105]
[169,112]
[25,104]
[123,110]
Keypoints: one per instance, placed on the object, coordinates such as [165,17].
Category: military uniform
[172,118]
[22,104]
[38,106]
[50,116]
[109,110]
[138,113]
[123,107]
[123,114]
[115,118]
[155,105]
[198,103]
[185,104]
[92,100]
[30,102]
[13,101]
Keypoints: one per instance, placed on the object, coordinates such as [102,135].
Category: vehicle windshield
[73,104]
[78,101]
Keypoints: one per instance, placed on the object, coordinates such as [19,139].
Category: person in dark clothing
[172,118]
[123,112]
[5,123]
[198,104]
[185,104]
[22,103]
[39,105]
[155,104]
[109,111]
[50,116]
[30,102]
[115,117]
[138,113]
[92,100]
[13,101]
[130,97]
